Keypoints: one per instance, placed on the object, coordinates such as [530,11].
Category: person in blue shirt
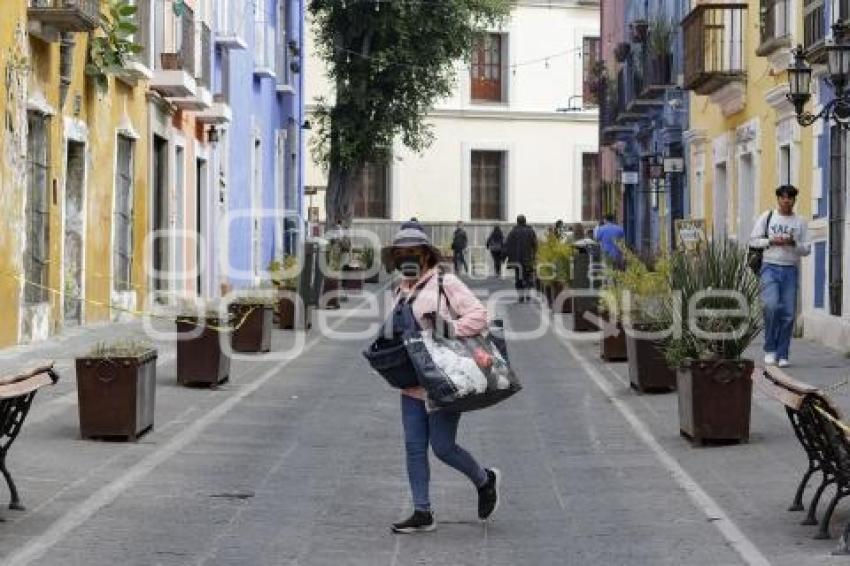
[609,235]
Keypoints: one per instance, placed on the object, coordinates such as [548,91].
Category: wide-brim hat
[407,238]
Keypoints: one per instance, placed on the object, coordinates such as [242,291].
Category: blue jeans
[440,428]
[779,302]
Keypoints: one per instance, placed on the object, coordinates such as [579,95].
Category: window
[370,192]
[785,165]
[589,183]
[775,21]
[283,61]
[37,210]
[589,58]
[838,174]
[487,185]
[487,68]
[122,239]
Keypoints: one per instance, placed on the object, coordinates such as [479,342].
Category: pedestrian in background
[413,255]
[496,245]
[521,248]
[459,244]
[610,235]
[782,236]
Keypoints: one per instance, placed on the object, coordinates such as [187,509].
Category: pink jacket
[468,315]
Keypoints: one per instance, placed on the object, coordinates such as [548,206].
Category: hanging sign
[630,178]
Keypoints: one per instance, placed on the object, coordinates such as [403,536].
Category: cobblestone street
[301,462]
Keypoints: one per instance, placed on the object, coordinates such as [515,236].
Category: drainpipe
[66,62]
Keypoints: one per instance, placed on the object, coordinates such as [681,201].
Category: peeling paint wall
[79,221]
[14,62]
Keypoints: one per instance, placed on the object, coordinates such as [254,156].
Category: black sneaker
[419,522]
[488,494]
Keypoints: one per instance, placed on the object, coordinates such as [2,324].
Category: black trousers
[460,259]
[498,260]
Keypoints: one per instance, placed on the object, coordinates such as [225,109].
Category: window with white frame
[487,185]
[122,238]
[371,191]
[37,209]
[698,201]
[487,81]
[284,56]
[785,165]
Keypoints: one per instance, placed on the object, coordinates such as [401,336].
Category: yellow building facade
[73,181]
[743,140]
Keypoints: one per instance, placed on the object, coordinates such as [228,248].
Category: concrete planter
[286,313]
[200,360]
[254,327]
[613,348]
[715,398]
[648,369]
[580,306]
[116,396]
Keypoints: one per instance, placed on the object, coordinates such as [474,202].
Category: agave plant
[731,310]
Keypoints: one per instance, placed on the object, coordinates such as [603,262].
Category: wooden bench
[822,434]
[16,394]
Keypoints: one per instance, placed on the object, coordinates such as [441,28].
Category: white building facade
[519,135]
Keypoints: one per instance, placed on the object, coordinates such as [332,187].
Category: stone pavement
[299,461]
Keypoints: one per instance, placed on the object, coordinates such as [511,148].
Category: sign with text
[630,178]
[690,233]
[674,165]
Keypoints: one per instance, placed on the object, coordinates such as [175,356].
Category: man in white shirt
[782,236]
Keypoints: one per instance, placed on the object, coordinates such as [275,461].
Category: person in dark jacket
[459,244]
[521,248]
[496,245]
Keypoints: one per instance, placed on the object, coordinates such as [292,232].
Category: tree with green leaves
[389,62]
[112,48]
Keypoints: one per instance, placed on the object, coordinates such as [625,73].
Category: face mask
[409,266]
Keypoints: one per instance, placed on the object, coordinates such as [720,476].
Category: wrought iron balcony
[657,75]
[816,26]
[65,15]
[775,26]
[715,48]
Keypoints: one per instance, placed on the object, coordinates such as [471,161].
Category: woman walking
[413,255]
[496,245]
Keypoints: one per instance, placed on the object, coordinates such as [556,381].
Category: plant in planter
[116,390]
[562,259]
[613,343]
[552,262]
[713,380]
[622,51]
[367,257]
[283,276]
[111,50]
[253,316]
[200,359]
[639,30]
[660,44]
[646,283]
[331,285]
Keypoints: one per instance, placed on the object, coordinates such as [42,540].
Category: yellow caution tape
[837,422]
[134,312]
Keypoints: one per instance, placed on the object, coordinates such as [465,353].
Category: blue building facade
[261,64]
[645,126]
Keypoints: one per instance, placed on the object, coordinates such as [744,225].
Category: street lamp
[838,74]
